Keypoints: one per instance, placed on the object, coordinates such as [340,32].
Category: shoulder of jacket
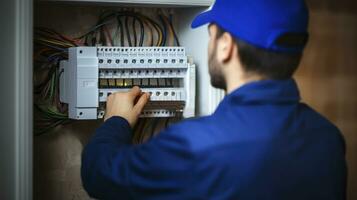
[187,132]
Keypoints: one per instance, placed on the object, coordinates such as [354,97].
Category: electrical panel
[91,74]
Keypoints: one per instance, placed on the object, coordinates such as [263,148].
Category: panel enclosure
[72,18]
[91,74]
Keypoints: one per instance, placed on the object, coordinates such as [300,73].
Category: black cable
[167,122]
[156,26]
[102,36]
[106,15]
[142,31]
[172,28]
[127,30]
[136,17]
[154,125]
[120,25]
[104,19]
[165,30]
[86,40]
[134,31]
[94,38]
[142,131]
[94,29]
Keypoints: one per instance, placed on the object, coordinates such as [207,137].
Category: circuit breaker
[91,74]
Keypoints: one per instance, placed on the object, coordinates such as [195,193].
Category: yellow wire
[49,41]
[55,42]
[160,34]
[172,37]
[38,53]
[160,37]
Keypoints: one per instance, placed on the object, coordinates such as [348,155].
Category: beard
[215,72]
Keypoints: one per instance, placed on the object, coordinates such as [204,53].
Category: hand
[124,104]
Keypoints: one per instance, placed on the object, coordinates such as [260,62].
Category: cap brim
[202,19]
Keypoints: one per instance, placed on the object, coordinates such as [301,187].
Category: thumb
[143,100]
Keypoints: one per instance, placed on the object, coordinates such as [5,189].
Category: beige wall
[57,162]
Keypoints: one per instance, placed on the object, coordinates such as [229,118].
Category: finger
[134,92]
[143,100]
[109,100]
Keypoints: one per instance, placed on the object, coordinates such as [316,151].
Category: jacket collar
[264,92]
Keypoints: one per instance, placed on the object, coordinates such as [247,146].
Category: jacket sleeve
[112,168]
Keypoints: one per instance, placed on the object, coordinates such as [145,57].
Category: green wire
[50,127]
[52,86]
[50,113]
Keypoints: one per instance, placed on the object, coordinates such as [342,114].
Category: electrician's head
[230,56]
[256,38]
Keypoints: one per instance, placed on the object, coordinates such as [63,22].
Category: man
[261,142]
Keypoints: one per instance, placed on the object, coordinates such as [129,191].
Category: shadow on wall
[57,161]
[327,76]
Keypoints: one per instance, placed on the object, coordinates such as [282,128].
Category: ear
[225,47]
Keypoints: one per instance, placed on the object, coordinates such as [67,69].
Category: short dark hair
[270,64]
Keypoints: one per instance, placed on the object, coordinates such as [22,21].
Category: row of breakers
[142,73]
[139,57]
[142,83]
[168,52]
[164,102]
[112,62]
[152,113]
[92,73]
[156,94]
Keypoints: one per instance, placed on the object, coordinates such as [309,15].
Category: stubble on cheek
[217,78]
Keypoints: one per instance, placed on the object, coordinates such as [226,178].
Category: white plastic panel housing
[82,84]
[93,73]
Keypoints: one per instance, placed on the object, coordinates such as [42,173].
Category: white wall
[196,42]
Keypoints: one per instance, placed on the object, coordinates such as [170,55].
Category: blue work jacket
[261,143]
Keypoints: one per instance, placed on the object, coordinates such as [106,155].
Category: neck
[236,79]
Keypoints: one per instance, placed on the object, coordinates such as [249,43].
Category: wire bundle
[50,48]
[149,127]
[124,25]
[113,28]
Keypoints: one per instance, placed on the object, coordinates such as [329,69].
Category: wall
[57,161]
[328,74]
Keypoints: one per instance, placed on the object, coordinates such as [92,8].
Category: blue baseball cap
[261,23]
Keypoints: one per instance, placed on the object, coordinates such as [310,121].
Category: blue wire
[54,58]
